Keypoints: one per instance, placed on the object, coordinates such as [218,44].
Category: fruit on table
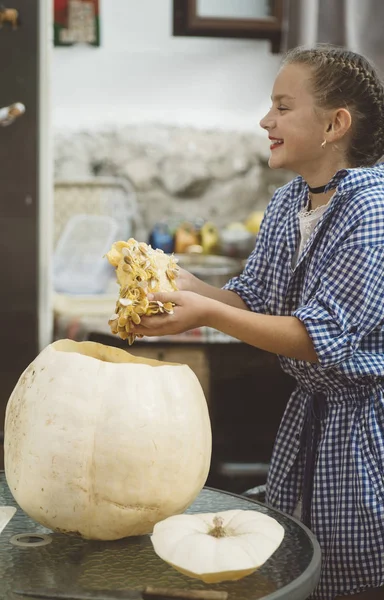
[217,547]
[103,444]
[236,226]
[253,221]
[140,269]
[209,238]
[185,237]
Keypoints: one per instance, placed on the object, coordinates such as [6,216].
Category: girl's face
[295,129]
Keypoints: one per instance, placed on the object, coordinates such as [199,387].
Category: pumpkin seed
[168,307]
[135,318]
[123,320]
[125,301]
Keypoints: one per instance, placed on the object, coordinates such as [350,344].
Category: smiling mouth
[275,143]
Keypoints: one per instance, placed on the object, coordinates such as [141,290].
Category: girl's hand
[185,281]
[190,311]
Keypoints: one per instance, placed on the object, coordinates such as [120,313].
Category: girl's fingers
[165,297]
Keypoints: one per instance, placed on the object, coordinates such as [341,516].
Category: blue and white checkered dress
[336,289]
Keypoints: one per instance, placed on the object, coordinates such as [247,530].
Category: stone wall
[178,173]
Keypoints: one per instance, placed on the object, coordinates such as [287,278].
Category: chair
[256,493]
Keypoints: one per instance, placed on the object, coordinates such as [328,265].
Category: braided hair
[342,78]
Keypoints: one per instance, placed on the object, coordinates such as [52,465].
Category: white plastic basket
[79,264]
[109,196]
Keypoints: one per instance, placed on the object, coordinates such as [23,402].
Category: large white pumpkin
[105,444]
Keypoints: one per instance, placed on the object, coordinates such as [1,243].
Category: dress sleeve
[347,306]
[250,285]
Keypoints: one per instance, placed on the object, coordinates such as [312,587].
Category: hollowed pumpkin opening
[106,353]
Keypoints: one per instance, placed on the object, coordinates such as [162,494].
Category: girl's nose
[267,122]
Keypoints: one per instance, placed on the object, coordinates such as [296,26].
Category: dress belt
[315,412]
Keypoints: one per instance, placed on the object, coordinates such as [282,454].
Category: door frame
[45,176]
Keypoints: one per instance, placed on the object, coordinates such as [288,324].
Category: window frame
[186,22]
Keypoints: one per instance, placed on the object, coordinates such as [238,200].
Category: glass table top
[69,563]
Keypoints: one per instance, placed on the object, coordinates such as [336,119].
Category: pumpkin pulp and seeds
[140,270]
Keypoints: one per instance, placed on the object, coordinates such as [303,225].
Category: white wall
[140,73]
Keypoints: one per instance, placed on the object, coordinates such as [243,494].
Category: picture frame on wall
[76,22]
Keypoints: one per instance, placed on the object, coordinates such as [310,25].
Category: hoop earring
[323,144]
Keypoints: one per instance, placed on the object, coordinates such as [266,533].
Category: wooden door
[19,198]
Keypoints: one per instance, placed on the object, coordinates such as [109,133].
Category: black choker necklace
[317,190]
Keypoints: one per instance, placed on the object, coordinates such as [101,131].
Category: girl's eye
[281,108]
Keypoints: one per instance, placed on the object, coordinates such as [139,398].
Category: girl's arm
[188,282]
[286,336]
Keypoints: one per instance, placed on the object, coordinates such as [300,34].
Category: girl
[312,292]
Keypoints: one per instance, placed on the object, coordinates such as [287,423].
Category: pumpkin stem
[218,530]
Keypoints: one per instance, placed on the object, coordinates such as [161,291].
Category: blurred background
[122,118]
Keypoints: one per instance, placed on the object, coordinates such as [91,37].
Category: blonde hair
[341,78]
